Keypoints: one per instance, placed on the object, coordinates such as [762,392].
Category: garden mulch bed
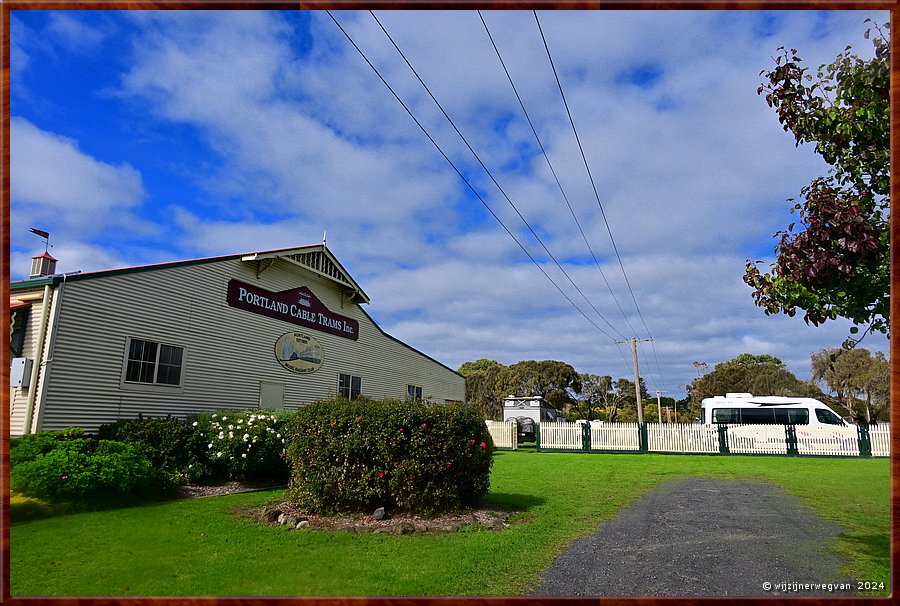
[288,514]
[192,492]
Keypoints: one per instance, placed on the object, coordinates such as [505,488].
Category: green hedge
[81,469]
[243,445]
[172,444]
[361,455]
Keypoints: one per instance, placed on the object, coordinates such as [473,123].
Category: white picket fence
[694,438]
[682,437]
[833,441]
[561,436]
[615,436]
[756,439]
[881,439]
[504,434]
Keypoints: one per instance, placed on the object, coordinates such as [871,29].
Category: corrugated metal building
[273,329]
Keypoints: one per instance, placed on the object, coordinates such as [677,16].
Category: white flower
[210,445]
[231,434]
[231,427]
[194,424]
[244,456]
[221,435]
[282,440]
[224,418]
[277,435]
[219,454]
[214,416]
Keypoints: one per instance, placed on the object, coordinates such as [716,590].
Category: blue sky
[140,137]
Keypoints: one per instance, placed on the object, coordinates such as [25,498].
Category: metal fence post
[537,436]
[586,436]
[865,440]
[723,440]
[790,436]
[644,441]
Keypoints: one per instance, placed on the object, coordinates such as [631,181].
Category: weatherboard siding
[18,400]
[228,351]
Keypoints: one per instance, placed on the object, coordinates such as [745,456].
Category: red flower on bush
[64,477]
[484,444]
[424,424]
[380,475]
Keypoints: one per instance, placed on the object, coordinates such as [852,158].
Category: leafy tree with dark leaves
[835,260]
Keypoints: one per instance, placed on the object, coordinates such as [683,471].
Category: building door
[271,394]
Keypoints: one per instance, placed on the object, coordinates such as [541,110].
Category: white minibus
[747,409]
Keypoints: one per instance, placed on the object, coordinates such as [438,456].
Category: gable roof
[315,258]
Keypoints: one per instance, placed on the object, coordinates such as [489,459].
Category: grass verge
[201,547]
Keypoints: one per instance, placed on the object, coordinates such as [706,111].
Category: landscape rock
[403,528]
[271,513]
[302,524]
[379,514]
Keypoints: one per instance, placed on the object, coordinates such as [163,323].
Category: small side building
[272,329]
[531,407]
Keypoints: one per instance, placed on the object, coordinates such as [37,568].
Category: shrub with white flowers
[246,445]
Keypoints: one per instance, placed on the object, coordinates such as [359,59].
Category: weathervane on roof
[45,235]
[324,233]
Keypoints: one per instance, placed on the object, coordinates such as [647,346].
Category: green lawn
[200,547]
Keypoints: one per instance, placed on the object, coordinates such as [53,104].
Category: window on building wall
[154,363]
[413,393]
[17,322]
[348,386]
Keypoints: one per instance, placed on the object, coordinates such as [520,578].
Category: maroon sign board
[297,306]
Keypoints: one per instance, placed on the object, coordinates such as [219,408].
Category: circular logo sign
[298,352]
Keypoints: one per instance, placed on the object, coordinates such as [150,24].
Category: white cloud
[692,172]
[50,170]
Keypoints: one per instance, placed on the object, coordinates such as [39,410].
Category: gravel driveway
[703,537]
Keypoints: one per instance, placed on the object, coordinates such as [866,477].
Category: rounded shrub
[356,456]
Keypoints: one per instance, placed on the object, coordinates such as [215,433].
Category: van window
[757,416]
[791,416]
[826,416]
[725,415]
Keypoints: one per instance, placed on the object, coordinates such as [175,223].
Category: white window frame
[416,395]
[349,396]
[154,386]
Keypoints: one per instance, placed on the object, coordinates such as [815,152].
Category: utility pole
[658,406]
[637,378]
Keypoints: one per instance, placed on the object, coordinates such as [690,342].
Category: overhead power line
[489,173]
[458,172]
[593,183]
[553,171]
